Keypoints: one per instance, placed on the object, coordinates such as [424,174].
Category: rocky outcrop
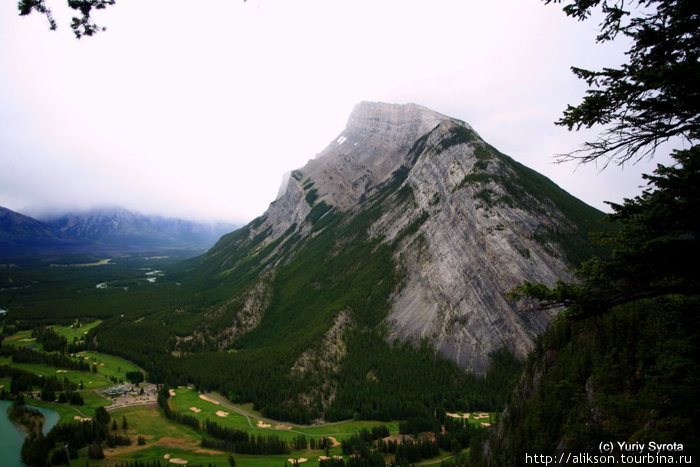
[237,316]
[320,364]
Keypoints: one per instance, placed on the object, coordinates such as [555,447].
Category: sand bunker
[208,399]
[456,415]
[166,456]
[82,419]
[172,393]
[283,427]
[177,460]
[221,413]
[485,424]
[61,371]
[195,409]
[481,415]
[334,442]
[262,424]
[301,460]
[28,340]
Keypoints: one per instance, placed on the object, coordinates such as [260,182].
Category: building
[116,391]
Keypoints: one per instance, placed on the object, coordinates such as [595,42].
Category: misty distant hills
[102,230]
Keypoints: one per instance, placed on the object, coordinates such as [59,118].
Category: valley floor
[136,415]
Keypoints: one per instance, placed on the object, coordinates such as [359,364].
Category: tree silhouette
[82,25]
[652,98]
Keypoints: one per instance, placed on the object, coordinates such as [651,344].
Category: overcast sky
[197,109]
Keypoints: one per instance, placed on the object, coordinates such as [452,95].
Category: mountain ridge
[375,286]
[101,230]
[456,201]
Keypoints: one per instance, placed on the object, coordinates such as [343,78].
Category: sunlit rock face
[467,224]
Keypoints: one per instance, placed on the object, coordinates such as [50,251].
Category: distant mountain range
[102,230]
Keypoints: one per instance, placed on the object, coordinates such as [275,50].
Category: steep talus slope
[465,224]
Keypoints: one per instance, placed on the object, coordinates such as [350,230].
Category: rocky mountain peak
[374,144]
[465,222]
[390,123]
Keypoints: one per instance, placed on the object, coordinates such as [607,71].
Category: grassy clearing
[109,365]
[75,331]
[66,412]
[186,398]
[178,441]
[89,380]
[71,332]
[478,418]
[23,339]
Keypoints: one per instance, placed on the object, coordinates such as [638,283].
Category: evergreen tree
[654,251]
[652,98]
[82,25]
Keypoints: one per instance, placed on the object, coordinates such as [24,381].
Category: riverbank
[27,418]
[13,436]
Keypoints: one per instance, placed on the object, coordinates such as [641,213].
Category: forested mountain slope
[461,223]
[621,362]
[378,275]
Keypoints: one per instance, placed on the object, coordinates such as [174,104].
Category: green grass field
[76,330]
[71,332]
[164,437]
[23,339]
[186,398]
[109,365]
[89,380]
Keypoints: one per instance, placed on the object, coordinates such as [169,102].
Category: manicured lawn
[164,437]
[22,339]
[109,365]
[186,398]
[89,380]
[65,411]
[75,331]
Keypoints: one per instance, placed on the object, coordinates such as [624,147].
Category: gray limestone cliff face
[464,258]
[374,143]
[470,242]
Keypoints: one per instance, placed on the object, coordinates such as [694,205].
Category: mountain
[459,225]
[20,233]
[120,227]
[101,230]
[376,285]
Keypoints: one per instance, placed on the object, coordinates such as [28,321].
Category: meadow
[165,438]
[242,417]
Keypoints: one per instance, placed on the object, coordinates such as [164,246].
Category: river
[12,437]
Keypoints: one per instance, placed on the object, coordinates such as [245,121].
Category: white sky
[196,109]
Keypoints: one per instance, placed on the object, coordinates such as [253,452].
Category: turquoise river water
[12,437]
